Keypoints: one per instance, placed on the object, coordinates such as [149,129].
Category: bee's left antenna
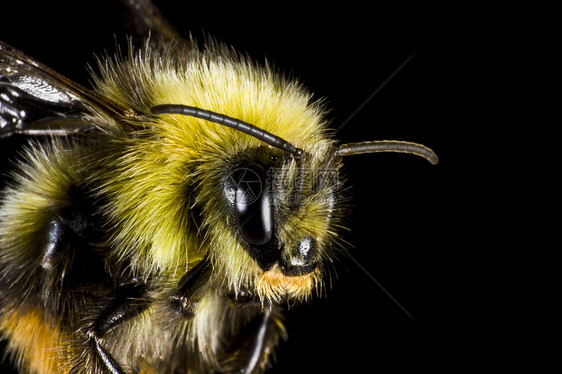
[234,123]
[388,146]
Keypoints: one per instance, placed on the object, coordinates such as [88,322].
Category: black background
[409,227]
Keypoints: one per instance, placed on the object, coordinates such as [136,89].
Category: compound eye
[251,204]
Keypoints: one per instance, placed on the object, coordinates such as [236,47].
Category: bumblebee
[171,212]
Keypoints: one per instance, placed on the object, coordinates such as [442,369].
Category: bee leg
[192,282]
[67,260]
[128,301]
[147,20]
[259,345]
[258,340]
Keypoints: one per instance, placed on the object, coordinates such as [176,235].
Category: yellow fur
[273,285]
[156,180]
[41,187]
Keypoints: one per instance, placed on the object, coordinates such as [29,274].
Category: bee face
[279,219]
[282,213]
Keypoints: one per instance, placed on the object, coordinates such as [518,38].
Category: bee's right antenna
[377,146]
[234,123]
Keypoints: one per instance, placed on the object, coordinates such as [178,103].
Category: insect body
[192,195]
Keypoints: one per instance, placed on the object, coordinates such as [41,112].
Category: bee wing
[36,100]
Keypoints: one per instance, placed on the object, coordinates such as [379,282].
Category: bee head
[271,213]
[268,210]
